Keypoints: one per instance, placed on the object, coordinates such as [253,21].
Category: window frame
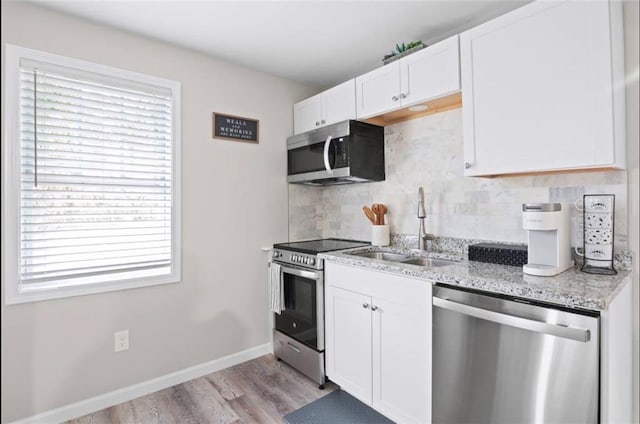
[14,292]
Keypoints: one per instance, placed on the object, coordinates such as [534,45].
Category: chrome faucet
[422,214]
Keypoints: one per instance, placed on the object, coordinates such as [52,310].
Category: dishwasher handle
[578,334]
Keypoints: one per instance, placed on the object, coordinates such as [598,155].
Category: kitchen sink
[428,262]
[385,256]
[405,259]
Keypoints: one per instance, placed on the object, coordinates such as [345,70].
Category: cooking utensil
[383,210]
[369,213]
[376,210]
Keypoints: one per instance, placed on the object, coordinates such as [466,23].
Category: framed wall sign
[236,128]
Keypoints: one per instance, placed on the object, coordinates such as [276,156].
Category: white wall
[632,46]
[234,198]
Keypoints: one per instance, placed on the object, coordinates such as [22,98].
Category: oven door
[303,314]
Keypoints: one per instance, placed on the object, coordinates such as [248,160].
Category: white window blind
[96,177]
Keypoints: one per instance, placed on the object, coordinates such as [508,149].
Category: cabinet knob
[394,98]
[365,305]
[467,165]
[317,123]
[323,122]
[374,308]
[403,96]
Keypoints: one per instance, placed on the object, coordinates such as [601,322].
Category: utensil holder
[598,213]
[380,235]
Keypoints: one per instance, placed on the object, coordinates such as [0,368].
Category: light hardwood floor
[259,391]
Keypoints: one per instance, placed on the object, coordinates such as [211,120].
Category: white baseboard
[125,394]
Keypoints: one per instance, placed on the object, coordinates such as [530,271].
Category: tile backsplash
[428,152]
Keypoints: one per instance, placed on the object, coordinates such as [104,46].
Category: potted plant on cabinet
[402,50]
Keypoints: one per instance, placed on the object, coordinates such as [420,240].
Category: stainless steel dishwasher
[498,360]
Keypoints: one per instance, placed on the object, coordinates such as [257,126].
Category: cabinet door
[378,91]
[402,359]
[430,73]
[537,89]
[307,114]
[348,341]
[339,103]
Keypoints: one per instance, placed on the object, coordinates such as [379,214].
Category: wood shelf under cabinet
[441,104]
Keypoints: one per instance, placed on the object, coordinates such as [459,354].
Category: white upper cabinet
[339,103]
[378,91]
[307,114]
[541,89]
[333,105]
[427,74]
[430,73]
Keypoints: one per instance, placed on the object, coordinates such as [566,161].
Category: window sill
[42,294]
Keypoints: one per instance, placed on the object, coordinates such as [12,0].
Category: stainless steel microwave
[342,153]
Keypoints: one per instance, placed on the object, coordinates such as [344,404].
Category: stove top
[320,246]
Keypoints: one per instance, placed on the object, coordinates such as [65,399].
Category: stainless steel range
[298,336]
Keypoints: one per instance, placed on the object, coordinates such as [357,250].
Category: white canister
[380,235]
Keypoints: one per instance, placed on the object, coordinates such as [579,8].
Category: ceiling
[317,42]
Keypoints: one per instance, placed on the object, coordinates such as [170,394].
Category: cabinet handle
[317,123]
[467,165]
[403,95]
[394,98]
[365,305]
[374,308]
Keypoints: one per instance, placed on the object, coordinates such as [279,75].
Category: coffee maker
[549,225]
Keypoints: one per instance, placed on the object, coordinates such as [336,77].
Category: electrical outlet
[121,339]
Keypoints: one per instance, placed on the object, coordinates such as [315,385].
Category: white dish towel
[276,294]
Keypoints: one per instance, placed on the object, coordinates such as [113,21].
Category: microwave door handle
[327,165]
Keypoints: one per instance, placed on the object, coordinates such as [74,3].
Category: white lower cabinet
[378,336]
[348,342]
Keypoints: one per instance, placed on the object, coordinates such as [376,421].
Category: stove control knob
[276,254]
[312,261]
[291,257]
[295,258]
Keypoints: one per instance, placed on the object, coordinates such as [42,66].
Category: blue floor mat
[336,408]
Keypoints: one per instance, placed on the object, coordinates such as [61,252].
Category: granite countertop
[572,288]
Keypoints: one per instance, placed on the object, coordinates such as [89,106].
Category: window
[91,180]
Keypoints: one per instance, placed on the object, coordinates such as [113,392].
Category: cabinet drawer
[394,288]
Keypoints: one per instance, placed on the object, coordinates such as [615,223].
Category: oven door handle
[300,273]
